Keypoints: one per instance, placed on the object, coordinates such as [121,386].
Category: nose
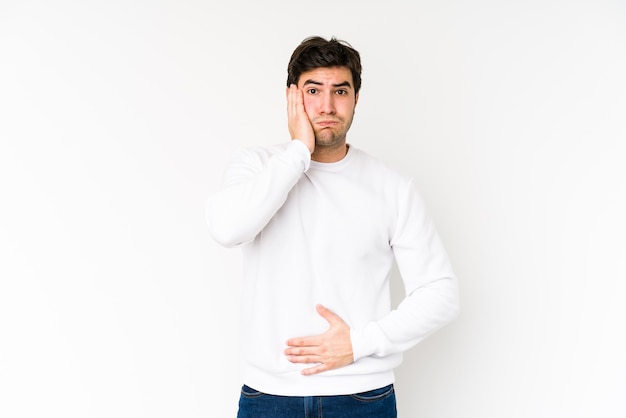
[327,104]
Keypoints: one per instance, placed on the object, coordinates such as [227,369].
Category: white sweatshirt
[327,233]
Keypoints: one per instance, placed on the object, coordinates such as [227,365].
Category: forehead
[326,76]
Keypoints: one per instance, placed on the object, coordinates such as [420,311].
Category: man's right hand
[299,124]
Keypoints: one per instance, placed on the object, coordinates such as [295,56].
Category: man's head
[316,52]
[327,75]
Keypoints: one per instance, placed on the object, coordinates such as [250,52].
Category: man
[320,223]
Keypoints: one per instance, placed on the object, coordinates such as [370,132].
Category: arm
[255,188]
[432,294]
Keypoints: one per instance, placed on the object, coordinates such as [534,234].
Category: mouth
[327,123]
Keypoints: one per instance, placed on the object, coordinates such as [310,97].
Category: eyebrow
[317,83]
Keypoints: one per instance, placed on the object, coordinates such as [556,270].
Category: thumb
[328,315]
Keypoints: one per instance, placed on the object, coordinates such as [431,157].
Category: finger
[299,98]
[304,351]
[291,99]
[314,370]
[311,341]
[304,359]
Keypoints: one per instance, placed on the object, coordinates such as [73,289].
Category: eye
[312,91]
[341,92]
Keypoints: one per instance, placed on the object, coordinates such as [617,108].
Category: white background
[117,119]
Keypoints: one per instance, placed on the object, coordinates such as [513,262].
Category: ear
[356,99]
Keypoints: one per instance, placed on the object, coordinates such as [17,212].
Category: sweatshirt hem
[296,384]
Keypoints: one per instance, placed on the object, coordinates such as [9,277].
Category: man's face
[329,101]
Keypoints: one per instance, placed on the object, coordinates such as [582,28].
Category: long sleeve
[432,294]
[256,184]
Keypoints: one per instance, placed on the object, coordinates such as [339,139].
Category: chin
[327,142]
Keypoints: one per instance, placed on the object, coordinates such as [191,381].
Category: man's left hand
[331,350]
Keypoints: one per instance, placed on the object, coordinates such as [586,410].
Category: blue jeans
[377,403]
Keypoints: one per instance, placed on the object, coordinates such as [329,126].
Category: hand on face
[331,350]
[299,124]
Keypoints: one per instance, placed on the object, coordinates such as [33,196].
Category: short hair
[315,52]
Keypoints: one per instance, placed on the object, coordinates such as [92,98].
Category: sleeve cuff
[301,153]
[366,341]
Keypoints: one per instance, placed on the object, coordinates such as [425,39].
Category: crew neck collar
[337,164]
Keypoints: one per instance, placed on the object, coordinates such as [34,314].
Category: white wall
[116,119]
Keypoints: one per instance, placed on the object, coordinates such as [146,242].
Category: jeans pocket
[248,392]
[374,395]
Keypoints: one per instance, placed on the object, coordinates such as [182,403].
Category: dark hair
[316,52]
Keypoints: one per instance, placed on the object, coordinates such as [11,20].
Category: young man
[320,223]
